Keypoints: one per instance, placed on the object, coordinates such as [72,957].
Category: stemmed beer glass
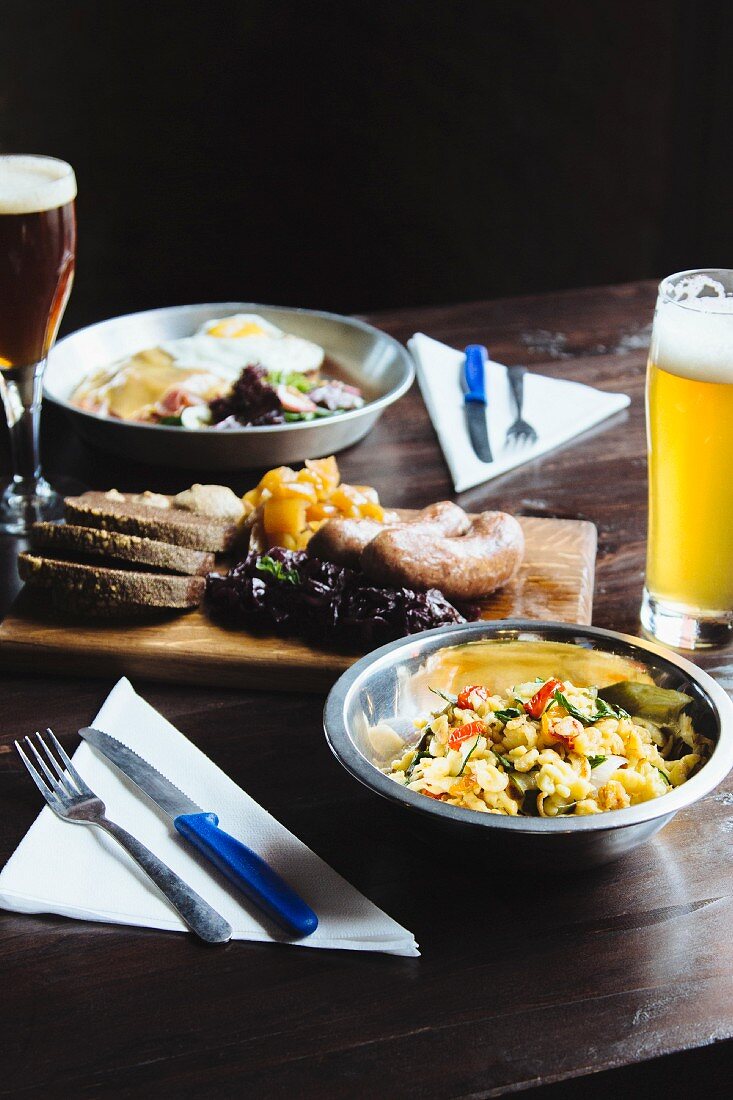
[37,250]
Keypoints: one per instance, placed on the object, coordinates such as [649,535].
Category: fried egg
[224,346]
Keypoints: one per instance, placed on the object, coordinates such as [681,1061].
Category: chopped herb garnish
[421,750]
[507,715]
[266,564]
[594,761]
[664,776]
[605,710]
[508,764]
[469,754]
[452,699]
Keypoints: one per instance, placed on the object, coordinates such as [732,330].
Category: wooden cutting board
[555,582]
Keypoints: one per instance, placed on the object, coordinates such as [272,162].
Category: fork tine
[60,785]
[67,761]
[52,781]
[47,794]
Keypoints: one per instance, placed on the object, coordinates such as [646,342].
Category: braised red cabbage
[251,401]
[295,594]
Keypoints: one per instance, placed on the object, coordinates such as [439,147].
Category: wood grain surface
[524,981]
[555,582]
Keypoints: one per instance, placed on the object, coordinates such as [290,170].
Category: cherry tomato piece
[482,692]
[540,699]
[471,729]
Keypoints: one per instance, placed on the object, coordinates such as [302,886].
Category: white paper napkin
[558,410]
[81,872]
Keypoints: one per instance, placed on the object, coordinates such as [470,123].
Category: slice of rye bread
[114,547]
[173,525]
[97,589]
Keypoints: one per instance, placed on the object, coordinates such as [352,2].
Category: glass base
[20,508]
[682,627]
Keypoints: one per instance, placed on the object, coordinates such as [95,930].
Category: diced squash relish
[294,504]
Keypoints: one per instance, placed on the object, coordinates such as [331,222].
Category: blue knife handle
[255,878]
[473,372]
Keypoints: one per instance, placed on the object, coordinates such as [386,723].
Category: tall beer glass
[37,248]
[688,596]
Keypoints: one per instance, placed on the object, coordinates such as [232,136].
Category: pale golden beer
[688,598]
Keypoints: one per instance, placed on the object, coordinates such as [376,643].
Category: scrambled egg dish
[553,749]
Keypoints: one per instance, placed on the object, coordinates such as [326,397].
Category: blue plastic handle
[473,372]
[255,878]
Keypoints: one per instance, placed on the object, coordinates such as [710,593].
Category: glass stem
[21,388]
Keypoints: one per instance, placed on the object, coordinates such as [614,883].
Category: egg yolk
[232,329]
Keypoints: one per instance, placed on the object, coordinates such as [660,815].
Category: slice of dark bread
[114,547]
[131,517]
[101,591]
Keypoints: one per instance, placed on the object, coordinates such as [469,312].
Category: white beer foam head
[693,330]
[30,185]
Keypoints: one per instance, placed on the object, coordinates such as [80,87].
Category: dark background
[358,156]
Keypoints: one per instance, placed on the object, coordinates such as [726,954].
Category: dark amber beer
[37,247]
[37,242]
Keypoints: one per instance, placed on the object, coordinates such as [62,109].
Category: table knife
[243,867]
[475,400]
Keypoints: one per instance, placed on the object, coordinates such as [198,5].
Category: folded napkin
[556,409]
[82,872]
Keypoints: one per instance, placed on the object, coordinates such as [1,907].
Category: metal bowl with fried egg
[180,339]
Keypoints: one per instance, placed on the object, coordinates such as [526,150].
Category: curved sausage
[463,567]
[343,540]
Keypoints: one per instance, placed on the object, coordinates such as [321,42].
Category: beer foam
[693,330]
[30,184]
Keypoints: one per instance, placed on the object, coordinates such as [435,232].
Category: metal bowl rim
[375,406]
[709,776]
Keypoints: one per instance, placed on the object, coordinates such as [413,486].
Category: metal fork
[72,800]
[520,432]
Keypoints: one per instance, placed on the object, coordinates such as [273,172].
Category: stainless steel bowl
[381,687]
[369,358]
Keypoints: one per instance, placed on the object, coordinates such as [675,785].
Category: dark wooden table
[522,982]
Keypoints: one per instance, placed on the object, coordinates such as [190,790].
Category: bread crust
[97,588]
[173,525]
[114,546]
